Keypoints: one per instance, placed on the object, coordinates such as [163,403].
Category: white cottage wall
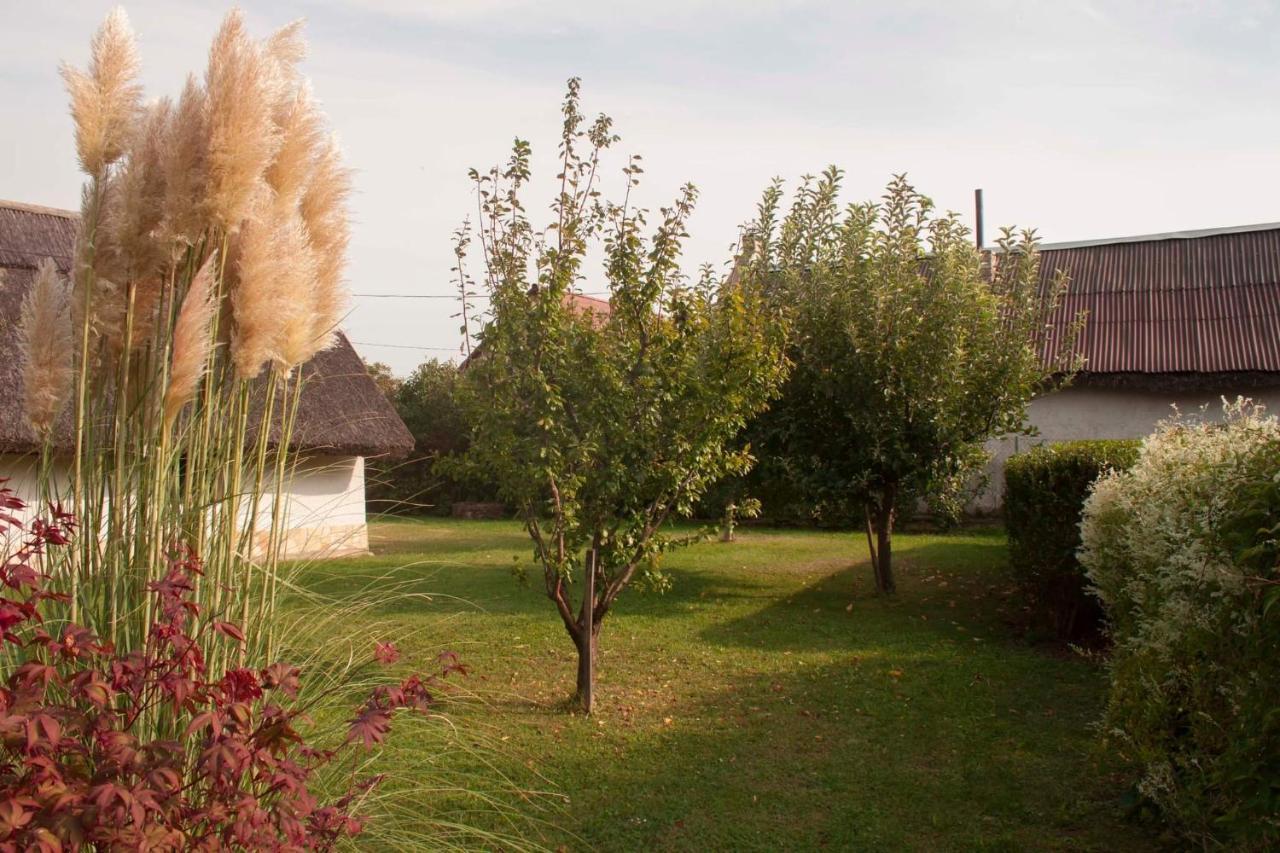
[324,507]
[1077,413]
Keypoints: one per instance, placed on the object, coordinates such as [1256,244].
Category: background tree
[910,350]
[426,401]
[388,383]
[599,427]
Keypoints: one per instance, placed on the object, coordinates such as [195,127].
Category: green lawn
[768,701]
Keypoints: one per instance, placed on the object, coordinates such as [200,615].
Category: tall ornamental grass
[208,268]
[1182,550]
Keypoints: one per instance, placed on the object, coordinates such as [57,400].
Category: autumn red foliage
[80,764]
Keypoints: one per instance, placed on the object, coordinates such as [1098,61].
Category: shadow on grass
[949,590]
[848,757]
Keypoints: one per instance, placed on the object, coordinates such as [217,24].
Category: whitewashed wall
[323,512]
[1085,413]
[324,509]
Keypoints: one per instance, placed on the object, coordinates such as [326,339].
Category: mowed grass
[768,701]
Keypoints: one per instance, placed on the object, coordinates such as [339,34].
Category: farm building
[1181,319]
[343,418]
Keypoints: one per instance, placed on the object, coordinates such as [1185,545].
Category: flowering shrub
[149,750]
[1182,551]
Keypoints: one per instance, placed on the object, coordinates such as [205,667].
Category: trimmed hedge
[1045,491]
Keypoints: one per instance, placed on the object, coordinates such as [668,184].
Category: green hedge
[1045,490]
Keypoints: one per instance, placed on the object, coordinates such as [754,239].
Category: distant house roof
[1183,304]
[341,410]
[588,306]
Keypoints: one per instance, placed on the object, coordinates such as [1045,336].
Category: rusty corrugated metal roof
[1189,303]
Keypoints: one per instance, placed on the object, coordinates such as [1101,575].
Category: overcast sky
[1082,119]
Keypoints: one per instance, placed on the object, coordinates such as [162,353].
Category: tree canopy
[911,349]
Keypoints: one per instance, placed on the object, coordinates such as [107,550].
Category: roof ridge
[1188,234]
[37,208]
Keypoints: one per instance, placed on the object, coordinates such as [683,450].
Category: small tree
[910,348]
[601,425]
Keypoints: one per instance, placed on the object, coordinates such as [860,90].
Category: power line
[446,295]
[412,296]
[407,346]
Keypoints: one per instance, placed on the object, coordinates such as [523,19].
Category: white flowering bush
[1181,549]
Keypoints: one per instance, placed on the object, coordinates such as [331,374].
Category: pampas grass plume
[186,169]
[129,249]
[46,345]
[324,213]
[255,298]
[105,99]
[192,341]
[302,139]
[296,291]
[243,138]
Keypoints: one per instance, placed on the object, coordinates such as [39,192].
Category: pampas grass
[243,138]
[105,98]
[324,213]
[208,267]
[257,300]
[186,170]
[196,270]
[192,343]
[46,347]
[296,286]
[131,256]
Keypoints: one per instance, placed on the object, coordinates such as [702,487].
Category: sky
[1080,118]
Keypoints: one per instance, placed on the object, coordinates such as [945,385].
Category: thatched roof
[341,410]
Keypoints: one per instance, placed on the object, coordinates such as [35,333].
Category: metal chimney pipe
[977,208]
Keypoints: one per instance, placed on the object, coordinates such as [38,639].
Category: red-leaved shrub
[81,765]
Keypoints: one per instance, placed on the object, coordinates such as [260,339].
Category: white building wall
[324,509]
[1091,413]
[324,512]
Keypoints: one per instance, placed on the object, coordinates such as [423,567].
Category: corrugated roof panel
[1206,304]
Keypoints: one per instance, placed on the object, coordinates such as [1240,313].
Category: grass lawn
[768,701]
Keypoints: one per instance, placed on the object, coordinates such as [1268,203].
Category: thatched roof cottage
[343,418]
[1181,319]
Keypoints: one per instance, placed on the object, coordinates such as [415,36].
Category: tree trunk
[587,644]
[881,516]
[884,553]
[587,630]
